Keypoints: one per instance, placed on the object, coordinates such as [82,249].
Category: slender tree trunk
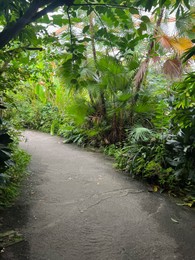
[91,26]
[89,91]
[121,126]
[102,96]
[139,81]
[140,75]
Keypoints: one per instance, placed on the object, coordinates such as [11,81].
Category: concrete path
[75,206]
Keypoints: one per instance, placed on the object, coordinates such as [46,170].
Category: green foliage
[149,160]
[139,133]
[183,126]
[164,159]
[73,134]
[40,116]
[84,89]
[189,54]
[78,111]
[5,151]
[184,103]
[13,163]
[49,120]
[9,188]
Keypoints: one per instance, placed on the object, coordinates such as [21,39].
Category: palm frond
[180,45]
[188,54]
[172,68]
[140,73]
[140,133]
[164,40]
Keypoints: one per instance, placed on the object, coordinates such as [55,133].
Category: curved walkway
[75,206]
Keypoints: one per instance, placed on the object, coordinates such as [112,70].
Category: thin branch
[47,9]
[104,5]
[33,48]
[25,48]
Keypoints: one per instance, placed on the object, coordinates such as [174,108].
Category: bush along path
[13,162]
[74,205]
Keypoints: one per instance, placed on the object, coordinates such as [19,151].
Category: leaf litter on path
[9,238]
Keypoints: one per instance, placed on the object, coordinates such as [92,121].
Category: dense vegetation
[13,163]
[113,76]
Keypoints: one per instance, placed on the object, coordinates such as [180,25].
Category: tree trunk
[138,83]
[31,15]
[9,33]
[91,26]
[140,75]
[102,96]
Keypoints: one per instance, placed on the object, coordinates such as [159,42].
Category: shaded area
[14,219]
[76,206]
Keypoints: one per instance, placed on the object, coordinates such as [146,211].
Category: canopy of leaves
[18,14]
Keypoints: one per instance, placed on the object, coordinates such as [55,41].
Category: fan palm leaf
[140,133]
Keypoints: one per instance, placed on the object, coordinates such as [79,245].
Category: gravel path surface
[75,206]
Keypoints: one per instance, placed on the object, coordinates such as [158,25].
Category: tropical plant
[5,152]
[100,84]
[183,127]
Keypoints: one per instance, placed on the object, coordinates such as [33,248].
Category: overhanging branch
[32,14]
